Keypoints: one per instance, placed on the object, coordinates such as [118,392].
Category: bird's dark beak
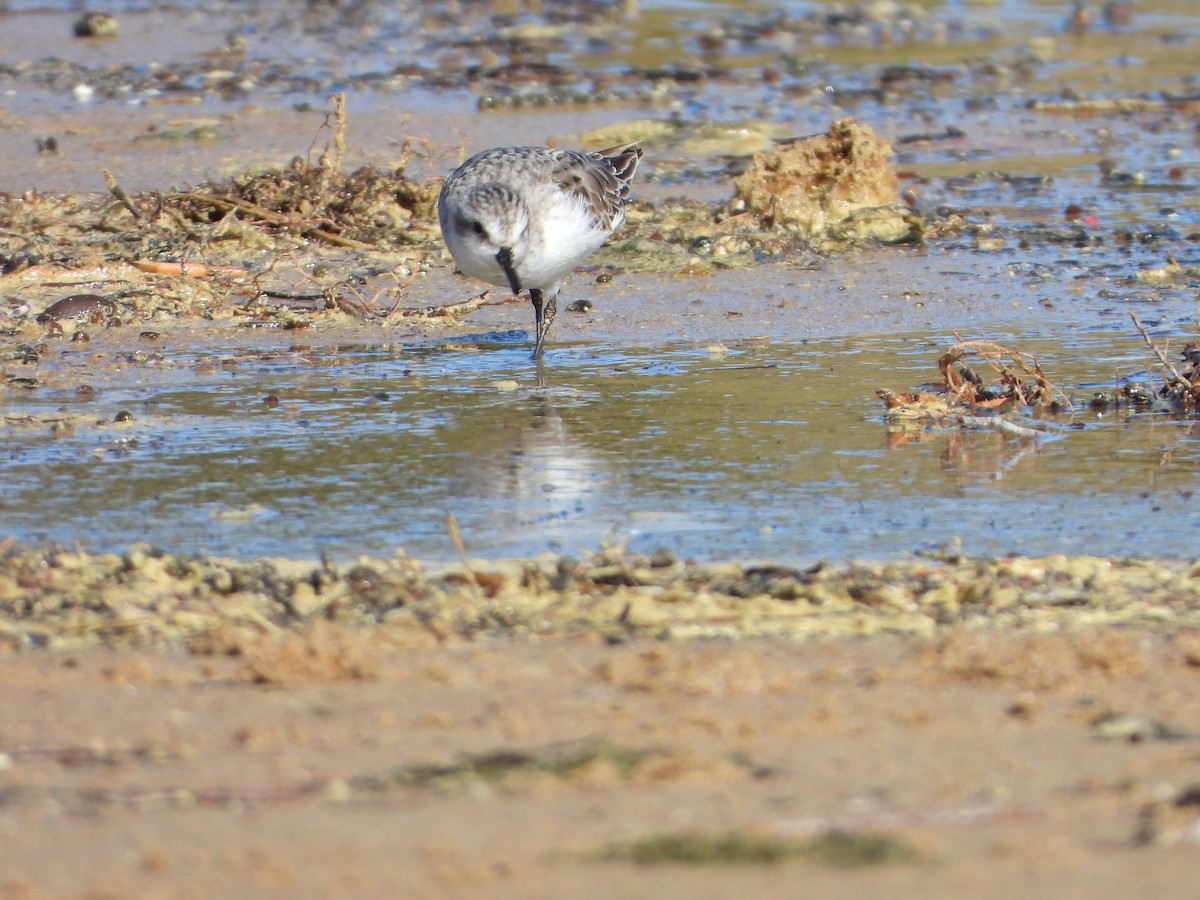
[504,257]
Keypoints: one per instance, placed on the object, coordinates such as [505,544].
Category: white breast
[560,238]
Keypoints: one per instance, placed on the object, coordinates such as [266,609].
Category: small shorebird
[525,217]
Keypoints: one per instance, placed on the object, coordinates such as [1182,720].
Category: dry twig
[1179,380]
[457,541]
[189,270]
[998,423]
[119,192]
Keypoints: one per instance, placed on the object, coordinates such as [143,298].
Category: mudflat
[973,762]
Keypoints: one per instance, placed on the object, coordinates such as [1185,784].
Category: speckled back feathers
[598,180]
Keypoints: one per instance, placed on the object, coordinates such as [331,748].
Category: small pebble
[1133,728]
[97,24]
[78,306]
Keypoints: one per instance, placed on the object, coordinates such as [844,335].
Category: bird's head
[496,220]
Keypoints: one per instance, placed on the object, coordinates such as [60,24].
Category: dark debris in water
[986,385]
[981,381]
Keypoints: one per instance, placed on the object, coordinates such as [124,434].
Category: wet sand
[163,774]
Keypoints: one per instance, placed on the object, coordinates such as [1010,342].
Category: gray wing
[599,181]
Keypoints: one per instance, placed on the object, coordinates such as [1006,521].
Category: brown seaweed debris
[1018,379]
[95,237]
[368,209]
[1018,386]
[1181,388]
[966,398]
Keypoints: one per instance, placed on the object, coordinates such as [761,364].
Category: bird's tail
[624,159]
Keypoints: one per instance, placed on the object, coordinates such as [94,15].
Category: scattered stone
[1134,728]
[97,24]
[79,306]
[48,599]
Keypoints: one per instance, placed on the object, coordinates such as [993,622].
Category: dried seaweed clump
[371,208]
[365,209]
[811,184]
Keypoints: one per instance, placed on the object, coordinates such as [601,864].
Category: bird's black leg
[543,315]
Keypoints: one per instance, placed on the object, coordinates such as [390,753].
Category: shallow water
[777,451]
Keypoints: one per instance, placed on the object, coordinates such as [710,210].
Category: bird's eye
[477,227]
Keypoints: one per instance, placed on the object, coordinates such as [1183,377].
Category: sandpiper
[525,217]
